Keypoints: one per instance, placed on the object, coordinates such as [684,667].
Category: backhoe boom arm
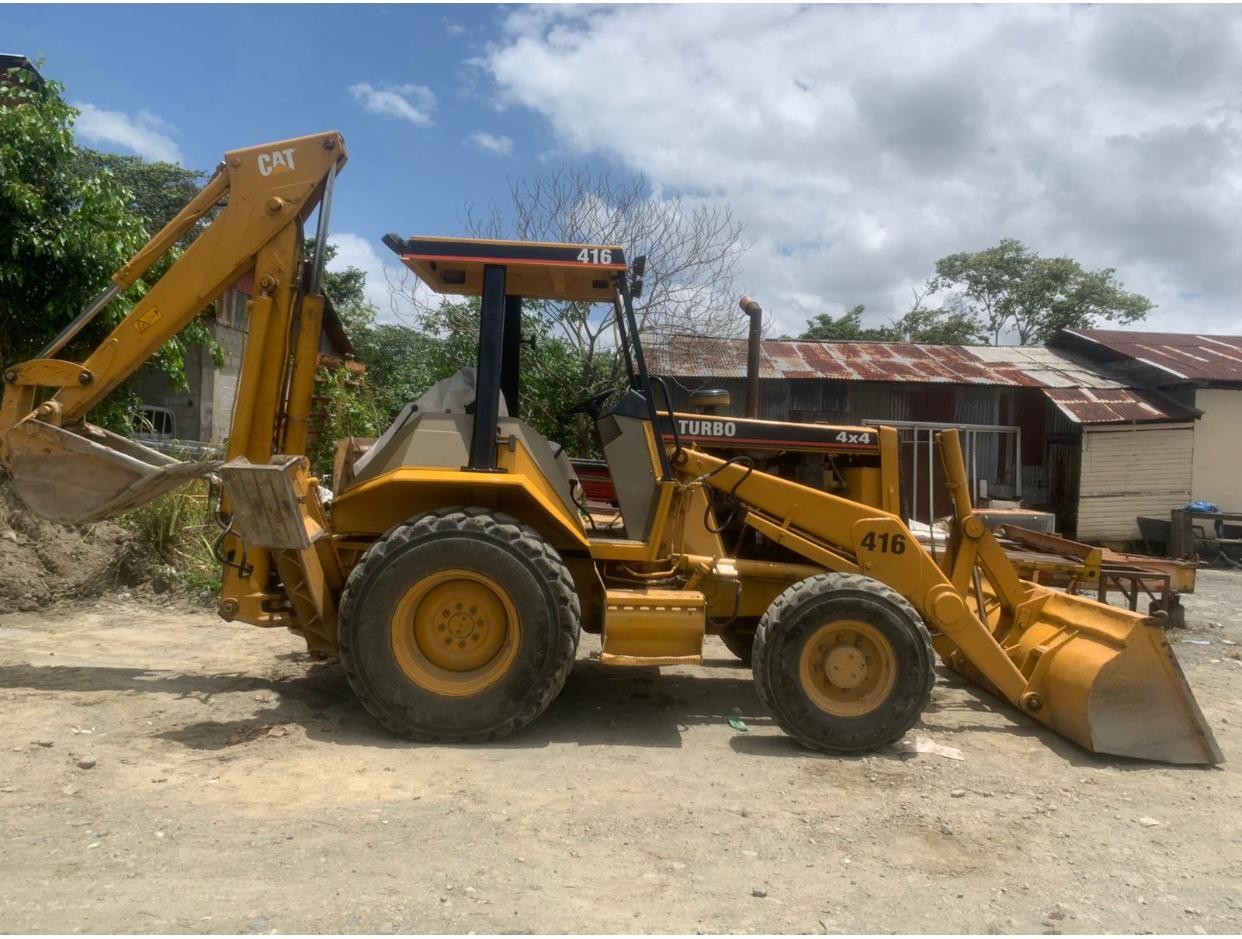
[269,188]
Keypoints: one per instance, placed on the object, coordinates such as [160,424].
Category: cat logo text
[276,161]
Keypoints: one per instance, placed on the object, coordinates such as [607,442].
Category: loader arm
[854,538]
[1104,677]
[269,190]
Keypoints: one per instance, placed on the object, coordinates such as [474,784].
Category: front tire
[843,662]
[459,625]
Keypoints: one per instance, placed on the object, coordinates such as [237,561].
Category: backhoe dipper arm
[270,189]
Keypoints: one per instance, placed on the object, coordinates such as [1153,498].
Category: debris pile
[42,563]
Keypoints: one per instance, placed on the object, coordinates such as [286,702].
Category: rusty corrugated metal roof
[1190,356]
[1117,405]
[1008,366]
[1083,395]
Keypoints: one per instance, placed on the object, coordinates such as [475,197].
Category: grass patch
[177,531]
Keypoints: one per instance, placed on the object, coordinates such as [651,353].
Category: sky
[856,144]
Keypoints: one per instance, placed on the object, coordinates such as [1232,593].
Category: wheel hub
[847,668]
[455,632]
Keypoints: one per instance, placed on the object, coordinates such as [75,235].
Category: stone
[86,762]
[42,743]
[759,892]
[1147,821]
[957,793]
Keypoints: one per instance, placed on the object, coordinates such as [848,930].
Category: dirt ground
[237,787]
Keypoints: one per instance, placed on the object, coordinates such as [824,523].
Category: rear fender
[375,506]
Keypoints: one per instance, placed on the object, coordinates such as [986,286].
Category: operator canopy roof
[538,270]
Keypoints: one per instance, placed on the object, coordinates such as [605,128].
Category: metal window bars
[919,436]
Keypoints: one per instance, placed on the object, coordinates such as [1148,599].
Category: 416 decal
[884,542]
[595,255]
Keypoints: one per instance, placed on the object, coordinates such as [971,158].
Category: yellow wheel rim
[455,633]
[847,668]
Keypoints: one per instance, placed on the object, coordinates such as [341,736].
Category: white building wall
[1218,448]
[1132,470]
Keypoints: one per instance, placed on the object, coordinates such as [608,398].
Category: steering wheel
[592,406]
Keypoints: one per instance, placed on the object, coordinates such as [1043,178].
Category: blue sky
[856,144]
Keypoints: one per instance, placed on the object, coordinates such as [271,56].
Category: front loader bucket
[1102,676]
[1107,679]
[88,474]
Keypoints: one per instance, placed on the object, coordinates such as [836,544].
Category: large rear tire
[460,625]
[843,662]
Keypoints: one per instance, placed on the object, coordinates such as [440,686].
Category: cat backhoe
[454,566]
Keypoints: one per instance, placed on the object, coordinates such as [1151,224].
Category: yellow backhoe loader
[453,568]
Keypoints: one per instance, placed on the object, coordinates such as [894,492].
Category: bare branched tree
[693,251]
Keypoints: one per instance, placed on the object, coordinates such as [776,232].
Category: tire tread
[790,600]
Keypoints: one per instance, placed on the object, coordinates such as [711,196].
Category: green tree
[157,190]
[62,233]
[1010,289]
[946,326]
[943,327]
[69,218]
[847,326]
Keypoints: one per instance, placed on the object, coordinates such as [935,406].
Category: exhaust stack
[750,306]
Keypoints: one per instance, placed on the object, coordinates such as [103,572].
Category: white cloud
[452,28]
[413,103]
[144,133]
[498,144]
[356,251]
[860,144]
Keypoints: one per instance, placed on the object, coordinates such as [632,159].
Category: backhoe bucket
[88,474]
